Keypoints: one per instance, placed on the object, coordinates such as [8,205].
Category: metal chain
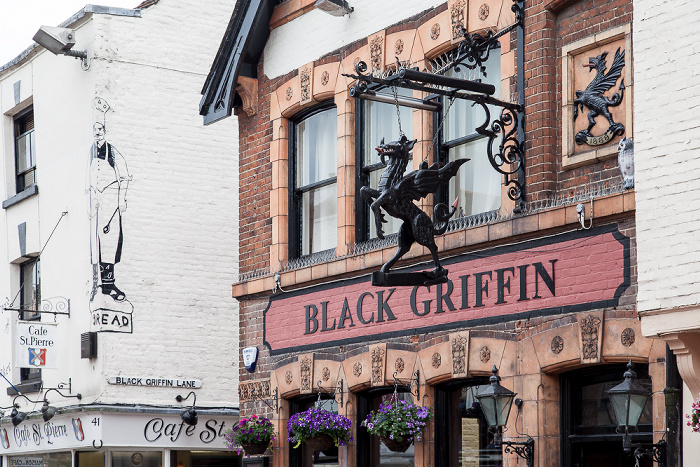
[395,91]
[437,132]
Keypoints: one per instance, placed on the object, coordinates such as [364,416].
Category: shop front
[114,437]
[554,315]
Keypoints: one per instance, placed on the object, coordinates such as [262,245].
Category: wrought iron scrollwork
[526,450]
[334,392]
[411,385]
[511,151]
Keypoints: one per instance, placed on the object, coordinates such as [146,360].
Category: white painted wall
[297,43]
[667,146]
[180,229]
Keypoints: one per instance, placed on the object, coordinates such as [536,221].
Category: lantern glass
[496,401]
[628,399]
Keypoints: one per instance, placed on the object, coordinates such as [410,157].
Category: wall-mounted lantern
[496,402]
[188,416]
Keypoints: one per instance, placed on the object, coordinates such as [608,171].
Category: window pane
[316,148]
[319,224]
[25,152]
[461,118]
[140,458]
[596,407]
[381,122]
[474,443]
[392,224]
[30,283]
[477,184]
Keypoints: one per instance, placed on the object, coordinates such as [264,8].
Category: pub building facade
[541,251]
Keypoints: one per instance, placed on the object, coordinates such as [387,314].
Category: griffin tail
[442,214]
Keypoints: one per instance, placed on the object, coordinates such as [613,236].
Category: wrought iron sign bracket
[525,449]
[54,306]
[409,384]
[333,391]
[60,387]
[274,403]
[657,452]
[471,53]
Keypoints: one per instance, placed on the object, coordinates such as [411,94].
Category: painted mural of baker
[109,182]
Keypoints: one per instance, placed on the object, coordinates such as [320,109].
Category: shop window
[313,194]
[477,184]
[303,456]
[90,459]
[370,450]
[377,121]
[460,423]
[30,300]
[47,459]
[25,152]
[589,434]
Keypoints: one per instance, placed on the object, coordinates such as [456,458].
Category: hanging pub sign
[36,345]
[573,272]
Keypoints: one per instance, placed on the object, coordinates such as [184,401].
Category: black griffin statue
[395,195]
[593,98]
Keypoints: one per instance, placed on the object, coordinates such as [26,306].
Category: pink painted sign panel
[572,272]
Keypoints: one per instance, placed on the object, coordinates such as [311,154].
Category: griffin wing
[600,84]
[422,182]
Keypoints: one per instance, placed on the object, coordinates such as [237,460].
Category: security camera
[58,41]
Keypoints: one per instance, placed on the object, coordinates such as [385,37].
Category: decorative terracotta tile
[400,364]
[325,80]
[591,334]
[459,351]
[436,362]
[288,96]
[377,358]
[306,365]
[484,15]
[376,43]
[556,348]
[358,371]
[435,34]
[458,19]
[399,45]
[484,353]
[306,79]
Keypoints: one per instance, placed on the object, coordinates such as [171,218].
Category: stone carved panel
[305,78]
[357,369]
[459,354]
[627,337]
[399,365]
[305,374]
[591,336]
[458,18]
[254,390]
[376,53]
[557,344]
[288,377]
[377,355]
[437,360]
[485,354]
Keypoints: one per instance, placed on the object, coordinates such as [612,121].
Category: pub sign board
[576,271]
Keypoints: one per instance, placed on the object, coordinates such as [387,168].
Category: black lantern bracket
[411,385]
[334,392]
[657,452]
[525,449]
[62,387]
[273,402]
[471,53]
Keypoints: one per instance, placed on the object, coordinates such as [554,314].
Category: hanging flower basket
[303,427]
[253,449]
[398,423]
[320,442]
[251,435]
[397,446]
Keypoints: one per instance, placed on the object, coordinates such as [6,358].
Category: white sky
[21,19]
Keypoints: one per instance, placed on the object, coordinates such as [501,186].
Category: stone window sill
[27,387]
[21,196]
